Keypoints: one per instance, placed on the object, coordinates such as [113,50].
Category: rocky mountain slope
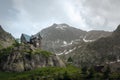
[108,46]
[60,38]
[6,39]
[103,51]
[96,34]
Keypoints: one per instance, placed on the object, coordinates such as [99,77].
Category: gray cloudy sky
[30,16]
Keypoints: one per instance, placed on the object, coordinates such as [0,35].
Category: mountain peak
[62,26]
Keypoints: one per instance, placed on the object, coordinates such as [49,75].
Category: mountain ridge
[58,35]
[104,51]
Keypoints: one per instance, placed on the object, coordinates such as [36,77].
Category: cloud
[28,16]
[75,15]
[103,14]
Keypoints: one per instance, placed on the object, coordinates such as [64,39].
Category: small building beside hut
[34,40]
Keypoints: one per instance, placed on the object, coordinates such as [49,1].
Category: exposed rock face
[109,45]
[102,51]
[6,39]
[21,59]
[57,35]
[60,37]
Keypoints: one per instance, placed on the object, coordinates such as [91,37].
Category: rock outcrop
[22,58]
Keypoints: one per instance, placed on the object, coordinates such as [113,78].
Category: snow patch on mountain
[64,42]
[59,54]
[61,27]
[84,39]
[67,52]
[118,60]
[70,51]
[67,44]
[62,52]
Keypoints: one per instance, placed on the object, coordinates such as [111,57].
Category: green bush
[6,51]
[70,59]
[56,73]
[1,46]
[16,43]
[106,73]
[46,73]
[42,52]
